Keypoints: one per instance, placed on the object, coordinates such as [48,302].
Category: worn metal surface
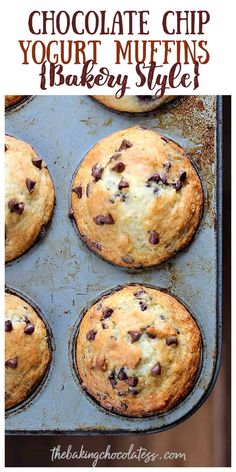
[62,276]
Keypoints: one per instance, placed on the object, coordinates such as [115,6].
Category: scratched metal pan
[61,276]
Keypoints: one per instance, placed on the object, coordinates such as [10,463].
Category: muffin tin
[62,276]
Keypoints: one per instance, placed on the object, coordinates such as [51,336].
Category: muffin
[29,197]
[136,198]
[133,103]
[27,352]
[11,100]
[138,351]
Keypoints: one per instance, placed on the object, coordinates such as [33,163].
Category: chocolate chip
[104,326]
[123,406]
[122,375]
[171,340]
[125,145]
[26,319]
[183,176]
[8,326]
[135,336]
[151,335]
[30,185]
[78,190]
[127,259]
[90,336]
[118,167]
[103,220]
[153,237]
[134,391]
[162,317]
[155,178]
[71,213]
[29,328]
[106,313]
[156,370]
[163,177]
[16,207]
[132,381]
[97,171]
[123,184]
[99,306]
[112,379]
[37,162]
[143,306]
[164,139]
[42,231]
[167,165]
[178,185]
[139,293]
[12,362]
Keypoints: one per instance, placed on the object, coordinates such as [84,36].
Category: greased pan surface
[62,276]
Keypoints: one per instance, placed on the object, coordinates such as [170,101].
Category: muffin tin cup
[64,276]
[46,378]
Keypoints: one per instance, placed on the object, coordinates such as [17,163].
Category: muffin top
[27,352]
[29,197]
[133,103]
[138,351]
[136,198]
[11,100]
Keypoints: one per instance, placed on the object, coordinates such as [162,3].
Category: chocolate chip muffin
[29,197]
[27,352]
[136,198]
[138,351]
[11,100]
[133,103]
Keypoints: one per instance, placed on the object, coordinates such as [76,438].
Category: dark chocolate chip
[155,178]
[132,381]
[125,145]
[37,162]
[104,326]
[8,326]
[29,328]
[167,165]
[134,391]
[153,237]
[118,167]
[135,336]
[26,319]
[103,220]
[90,336]
[97,171]
[16,207]
[163,177]
[143,305]
[183,176]
[78,190]
[106,313]
[162,317]
[122,375]
[178,185]
[42,231]
[30,185]
[123,184]
[71,213]
[171,340]
[127,259]
[151,335]
[123,406]
[99,306]
[156,370]
[12,362]
[112,379]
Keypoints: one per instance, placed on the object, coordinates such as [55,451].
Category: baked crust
[23,229]
[143,209]
[144,357]
[11,100]
[133,103]
[31,350]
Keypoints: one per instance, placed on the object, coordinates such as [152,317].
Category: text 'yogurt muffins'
[27,352]
[133,103]
[136,198]
[29,197]
[138,351]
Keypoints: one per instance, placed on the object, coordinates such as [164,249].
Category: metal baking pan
[62,276]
